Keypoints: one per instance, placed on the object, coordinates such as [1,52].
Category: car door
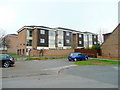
[81,56]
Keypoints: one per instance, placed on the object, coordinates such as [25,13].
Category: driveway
[44,74]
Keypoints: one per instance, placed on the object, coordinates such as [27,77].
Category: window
[60,41]
[42,40]
[52,42]
[80,42]
[29,42]
[51,33]
[80,54]
[80,35]
[95,42]
[85,43]
[94,37]
[42,31]
[71,54]
[60,33]
[90,42]
[29,33]
[67,33]
[85,36]
[67,41]
[90,37]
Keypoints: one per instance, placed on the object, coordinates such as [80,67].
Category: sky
[81,15]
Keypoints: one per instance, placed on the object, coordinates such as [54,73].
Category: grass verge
[35,58]
[45,58]
[97,62]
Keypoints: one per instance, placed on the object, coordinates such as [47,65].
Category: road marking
[58,68]
[116,68]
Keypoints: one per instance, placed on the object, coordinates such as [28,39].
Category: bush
[96,47]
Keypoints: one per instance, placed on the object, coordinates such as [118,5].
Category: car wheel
[69,60]
[6,64]
[75,59]
[86,58]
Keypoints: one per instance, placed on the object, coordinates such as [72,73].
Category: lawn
[35,58]
[96,62]
[45,58]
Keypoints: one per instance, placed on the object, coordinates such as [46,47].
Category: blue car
[77,57]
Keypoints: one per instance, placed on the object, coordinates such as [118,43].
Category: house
[9,43]
[111,44]
[42,37]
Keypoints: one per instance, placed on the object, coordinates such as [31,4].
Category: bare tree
[4,42]
[100,35]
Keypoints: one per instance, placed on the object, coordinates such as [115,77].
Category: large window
[29,33]
[42,31]
[52,42]
[29,42]
[85,43]
[85,36]
[42,40]
[51,33]
[90,43]
[60,33]
[90,37]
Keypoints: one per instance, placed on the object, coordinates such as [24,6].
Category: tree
[4,42]
[96,47]
[100,35]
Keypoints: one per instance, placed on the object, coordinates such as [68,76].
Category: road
[59,74]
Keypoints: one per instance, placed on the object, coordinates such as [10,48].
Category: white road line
[58,68]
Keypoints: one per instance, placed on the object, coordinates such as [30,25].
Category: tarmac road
[44,74]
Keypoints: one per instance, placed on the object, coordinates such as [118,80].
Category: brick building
[111,44]
[41,37]
[9,43]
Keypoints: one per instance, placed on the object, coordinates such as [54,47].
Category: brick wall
[34,52]
[35,32]
[22,42]
[13,44]
[57,52]
[62,52]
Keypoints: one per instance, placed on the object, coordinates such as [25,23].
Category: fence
[89,52]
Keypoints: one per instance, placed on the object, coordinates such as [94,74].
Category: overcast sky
[82,15]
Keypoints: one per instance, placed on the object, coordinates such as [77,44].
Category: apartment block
[35,37]
[41,37]
[90,39]
[64,38]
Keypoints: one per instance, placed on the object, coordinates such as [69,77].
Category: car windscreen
[78,54]
[71,54]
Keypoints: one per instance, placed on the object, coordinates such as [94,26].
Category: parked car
[6,60]
[77,57]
